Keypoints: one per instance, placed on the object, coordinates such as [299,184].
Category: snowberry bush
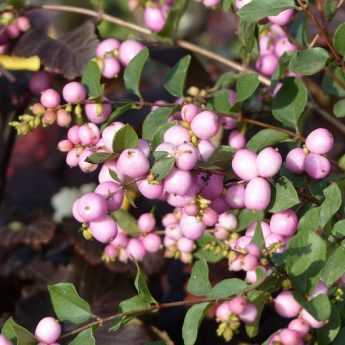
[249,178]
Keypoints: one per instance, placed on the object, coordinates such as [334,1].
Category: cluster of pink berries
[230,314]
[311,159]
[11,28]
[111,53]
[123,247]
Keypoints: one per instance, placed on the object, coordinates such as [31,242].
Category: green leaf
[176,78]
[133,71]
[225,80]
[67,304]
[99,157]
[155,119]
[266,137]
[125,138]
[220,158]
[198,283]
[162,168]
[259,9]
[247,34]
[331,204]
[91,78]
[339,39]
[175,14]
[305,259]
[127,222]
[328,333]
[120,322]
[309,61]
[142,287]
[340,339]
[227,288]
[310,220]
[192,322]
[338,230]
[334,267]
[159,134]
[339,108]
[17,334]
[246,85]
[206,254]
[84,338]
[226,5]
[319,307]
[285,195]
[289,103]
[134,304]
[116,114]
[258,237]
[220,102]
[246,217]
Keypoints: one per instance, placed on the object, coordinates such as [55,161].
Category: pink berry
[150,190]
[205,125]
[250,262]
[229,122]
[23,23]
[85,166]
[12,30]
[300,326]
[249,314]
[178,182]
[104,174]
[88,134]
[144,147]
[108,46]
[72,158]
[282,18]
[206,149]
[110,67]
[284,223]
[109,134]
[286,305]
[320,141]
[63,118]
[189,111]
[169,219]
[223,312]
[121,240]
[103,229]
[113,194]
[73,135]
[136,249]
[257,194]
[152,243]
[128,50]
[50,98]
[75,212]
[166,147]
[133,163]
[235,196]
[146,223]
[244,164]
[317,166]
[48,330]
[268,162]
[191,227]
[212,186]
[97,112]
[185,245]
[211,3]
[238,305]
[186,157]
[65,146]
[313,323]
[74,92]
[154,18]
[237,140]
[266,44]
[39,82]
[110,252]
[282,46]
[227,221]
[209,217]
[92,206]
[267,64]
[177,135]
[273,240]
[295,160]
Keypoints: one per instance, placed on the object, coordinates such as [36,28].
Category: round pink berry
[74,92]
[268,162]
[92,206]
[150,190]
[205,125]
[189,111]
[50,98]
[110,67]
[48,330]
[176,135]
[103,229]
[109,134]
[84,165]
[223,312]
[191,227]
[244,164]
[267,64]
[235,196]
[128,50]
[290,337]
[89,133]
[4,341]
[178,182]
[282,18]
[113,194]
[63,118]
[23,23]
[238,304]
[133,163]
[257,195]
[284,223]
[283,45]
[227,221]
[97,112]
[108,46]
[185,245]
[154,18]
[136,249]
[186,156]
[75,212]
[286,305]
[146,223]
[313,323]
[212,186]
[237,140]
[249,314]
[317,166]
[72,158]
[65,145]
[320,141]
[152,243]
[300,326]
[295,160]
